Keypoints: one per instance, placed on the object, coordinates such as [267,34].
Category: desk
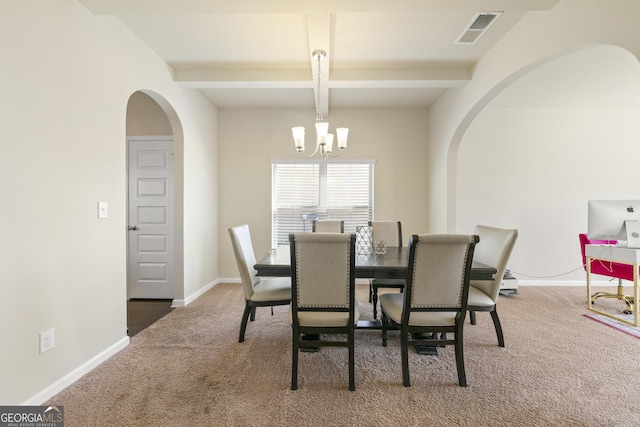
[392,265]
[614,254]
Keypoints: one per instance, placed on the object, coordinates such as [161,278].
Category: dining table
[389,265]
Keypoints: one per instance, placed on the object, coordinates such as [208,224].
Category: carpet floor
[558,368]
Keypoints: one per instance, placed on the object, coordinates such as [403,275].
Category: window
[325,190]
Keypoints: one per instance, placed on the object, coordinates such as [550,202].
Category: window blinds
[322,190]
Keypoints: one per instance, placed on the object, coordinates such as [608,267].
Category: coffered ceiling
[258,53]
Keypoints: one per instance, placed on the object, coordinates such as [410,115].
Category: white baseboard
[64,382]
[567,283]
[191,298]
[76,374]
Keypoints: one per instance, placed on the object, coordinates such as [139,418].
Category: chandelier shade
[324,139]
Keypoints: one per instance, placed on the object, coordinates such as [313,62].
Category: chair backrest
[245,257]
[438,273]
[322,272]
[389,232]
[604,268]
[494,250]
[328,226]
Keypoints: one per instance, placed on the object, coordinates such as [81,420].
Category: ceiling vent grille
[477,27]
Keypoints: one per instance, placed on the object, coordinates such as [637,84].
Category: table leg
[425,349]
[310,337]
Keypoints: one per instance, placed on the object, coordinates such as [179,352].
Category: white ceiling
[257,53]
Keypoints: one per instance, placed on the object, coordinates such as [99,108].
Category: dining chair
[258,291]
[323,290]
[389,232]
[328,226]
[434,299]
[493,250]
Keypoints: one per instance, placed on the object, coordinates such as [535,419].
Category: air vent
[477,27]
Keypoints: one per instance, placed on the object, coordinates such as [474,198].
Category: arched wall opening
[539,145]
[150,114]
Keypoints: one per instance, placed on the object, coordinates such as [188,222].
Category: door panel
[150,218]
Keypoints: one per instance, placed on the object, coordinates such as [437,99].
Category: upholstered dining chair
[389,232]
[614,270]
[493,250]
[435,296]
[328,227]
[258,291]
[323,290]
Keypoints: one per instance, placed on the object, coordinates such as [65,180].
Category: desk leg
[636,294]
[588,283]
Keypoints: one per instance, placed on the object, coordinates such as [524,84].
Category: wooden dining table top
[390,265]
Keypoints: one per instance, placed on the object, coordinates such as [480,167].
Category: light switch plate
[103,210]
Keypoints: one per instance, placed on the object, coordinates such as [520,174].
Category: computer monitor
[615,220]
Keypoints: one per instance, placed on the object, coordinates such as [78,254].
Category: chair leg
[385,324]
[472,317]
[253,314]
[245,317]
[370,291]
[462,377]
[496,323]
[352,376]
[294,361]
[375,302]
[404,351]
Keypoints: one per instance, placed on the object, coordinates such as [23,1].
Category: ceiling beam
[357,78]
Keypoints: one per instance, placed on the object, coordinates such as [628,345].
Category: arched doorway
[540,144]
[154,244]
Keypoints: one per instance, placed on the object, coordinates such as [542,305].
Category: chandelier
[324,140]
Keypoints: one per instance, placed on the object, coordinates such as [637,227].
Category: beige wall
[63,105]
[250,138]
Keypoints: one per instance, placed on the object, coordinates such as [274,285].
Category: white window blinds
[325,190]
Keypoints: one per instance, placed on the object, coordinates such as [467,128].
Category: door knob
[132,227]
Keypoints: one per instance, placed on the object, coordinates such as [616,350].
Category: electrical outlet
[47,340]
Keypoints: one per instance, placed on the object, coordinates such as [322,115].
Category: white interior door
[150,217]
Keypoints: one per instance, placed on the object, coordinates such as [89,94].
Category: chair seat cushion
[392,304]
[272,289]
[326,318]
[477,298]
